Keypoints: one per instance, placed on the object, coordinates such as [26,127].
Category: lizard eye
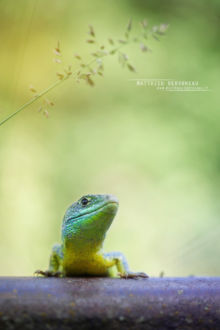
[84,201]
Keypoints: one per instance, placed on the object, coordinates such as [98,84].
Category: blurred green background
[157,151]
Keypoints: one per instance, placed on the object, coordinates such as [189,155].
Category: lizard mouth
[94,211]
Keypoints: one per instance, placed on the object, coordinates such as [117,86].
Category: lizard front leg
[55,263]
[122,266]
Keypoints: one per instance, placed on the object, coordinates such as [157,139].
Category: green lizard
[84,228]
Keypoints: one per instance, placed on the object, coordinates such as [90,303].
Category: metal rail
[105,303]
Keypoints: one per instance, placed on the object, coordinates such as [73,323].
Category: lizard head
[88,219]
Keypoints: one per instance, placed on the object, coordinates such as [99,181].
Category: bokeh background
[157,151]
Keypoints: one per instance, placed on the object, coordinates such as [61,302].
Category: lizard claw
[39,272]
[48,273]
[133,275]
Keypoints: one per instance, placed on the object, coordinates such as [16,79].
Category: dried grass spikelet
[91,31]
[32,89]
[57,50]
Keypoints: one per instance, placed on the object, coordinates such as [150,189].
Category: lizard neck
[80,245]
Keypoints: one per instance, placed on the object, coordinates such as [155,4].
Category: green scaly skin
[84,228]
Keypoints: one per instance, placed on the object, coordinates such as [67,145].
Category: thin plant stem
[32,100]
[39,95]
[74,74]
